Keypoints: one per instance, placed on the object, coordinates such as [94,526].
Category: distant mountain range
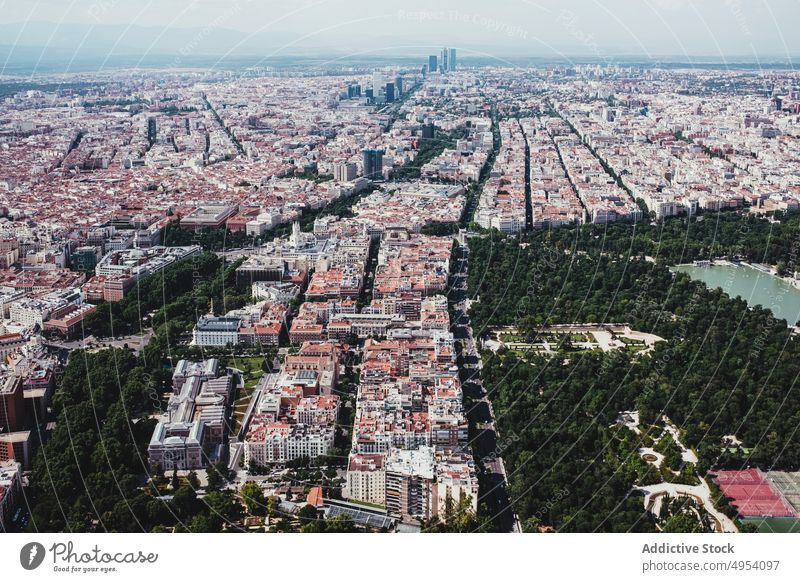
[122,39]
[47,47]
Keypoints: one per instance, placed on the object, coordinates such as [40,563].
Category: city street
[483,433]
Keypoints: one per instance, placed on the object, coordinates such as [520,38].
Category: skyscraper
[389,92]
[433,65]
[452,61]
[345,172]
[373,164]
[444,60]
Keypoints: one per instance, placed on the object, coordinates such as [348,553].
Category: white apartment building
[281,442]
[29,312]
[366,479]
[410,481]
[216,331]
[262,223]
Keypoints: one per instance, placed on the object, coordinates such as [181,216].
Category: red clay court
[752,494]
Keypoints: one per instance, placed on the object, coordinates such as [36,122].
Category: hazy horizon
[58,34]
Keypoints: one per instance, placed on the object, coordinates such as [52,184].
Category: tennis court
[788,485]
[752,494]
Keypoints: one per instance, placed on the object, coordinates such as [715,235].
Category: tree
[455,518]
[716,347]
[748,527]
[194,481]
[203,523]
[272,506]
[157,475]
[217,475]
[340,524]
[95,464]
[310,522]
[565,343]
[253,498]
[184,502]
[683,523]
[223,507]
[532,525]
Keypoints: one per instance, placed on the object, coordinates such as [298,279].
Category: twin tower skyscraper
[446,62]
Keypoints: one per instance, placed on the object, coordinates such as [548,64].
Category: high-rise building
[444,60]
[12,403]
[389,92]
[452,61]
[373,164]
[410,477]
[345,172]
[85,258]
[433,65]
[398,85]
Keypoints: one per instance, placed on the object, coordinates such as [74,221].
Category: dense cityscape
[441,297]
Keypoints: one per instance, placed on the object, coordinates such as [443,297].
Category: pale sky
[717,28]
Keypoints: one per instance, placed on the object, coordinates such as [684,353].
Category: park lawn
[250,367]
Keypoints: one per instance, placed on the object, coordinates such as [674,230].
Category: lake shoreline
[760,267]
[757,284]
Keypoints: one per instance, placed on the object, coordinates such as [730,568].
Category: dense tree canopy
[174,297]
[87,475]
[724,369]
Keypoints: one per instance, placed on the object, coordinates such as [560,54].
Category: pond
[751,284]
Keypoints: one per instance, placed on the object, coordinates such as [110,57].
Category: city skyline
[718,29]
